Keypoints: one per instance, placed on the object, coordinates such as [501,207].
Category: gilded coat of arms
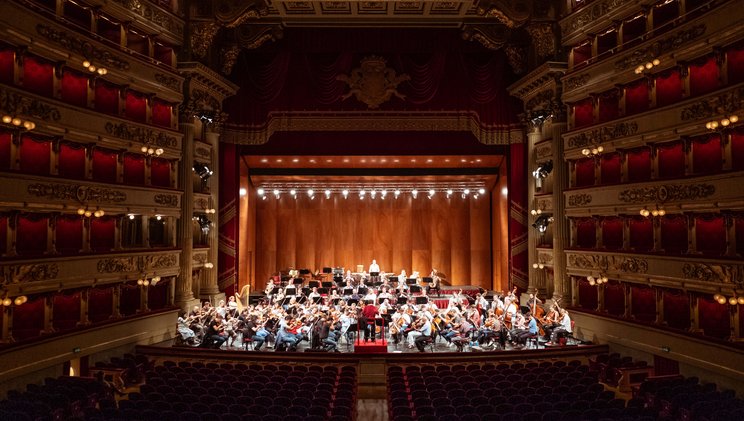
[373,83]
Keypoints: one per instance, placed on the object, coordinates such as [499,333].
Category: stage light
[260,192]
[131,216]
[383,193]
[345,193]
[293,192]
[431,193]
[202,170]
[449,192]
[414,193]
[361,194]
[7,302]
[327,194]
[373,193]
[158,217]
[396,193]
[310,192]
[542,222]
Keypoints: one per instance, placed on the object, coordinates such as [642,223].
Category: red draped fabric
[639,164]
[100,304]
[134,169]
[671,158]
[611,168]
[163,53]
[614,294]
[71,160]
[587,295]
[710,234]
[160,171]
[74,88]
[633,29]
[636,97]
[643,301]
[668,88]
[584,172]
[107,97]
[612,232]
[3,234]
[674,233]
[586,233]
[28,319]
[104,165]
[641,235]
[102,234]
[38,76]
[677,309]
[31,234]
[609,107]
[228,196]
[714,318]
[157,296]
[735,64]
[707,154]
[664,13]
[138,43]
[704,76]
[161,113]
[129,301]
[583,113]
[35,154]
[5,140]
[606,41]
[517,208]
[68,234]
[581,54]
[739,234]
[66,310]
[7,65]
[737,150]
[136,106]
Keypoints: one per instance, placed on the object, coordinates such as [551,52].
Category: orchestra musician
[402,285]
[564,328]
[214,336]
[184,330]
[368,320]
[424,336]
[435,282]
[374,272]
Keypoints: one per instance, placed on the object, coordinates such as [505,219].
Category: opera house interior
[160,157]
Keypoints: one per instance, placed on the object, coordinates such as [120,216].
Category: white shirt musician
[402,285]
[374,267]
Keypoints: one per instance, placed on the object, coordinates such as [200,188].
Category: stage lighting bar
[373,192]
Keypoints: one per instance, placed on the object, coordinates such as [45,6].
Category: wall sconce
[18,122]
[647,66]
[722,123]
[149,150]
[143,281]
[594,152]
[733,300]
[84,211]
[599,280]
[93,69]
[542,222]
[7,301]
[657,211]
[209,265]
[538,266]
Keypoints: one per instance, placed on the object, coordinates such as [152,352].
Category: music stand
[316,300]
[290,291]
[274,291]
[305,291]
[402,299]
[374,274]
[414,289]
[426,279]
[362,291]
[285,301]
[322,291]
[422,300]
[348,291]
[304,271]
[327,270]
[297,281]
[313,284]
[352,301]
[327,284]
[411,281]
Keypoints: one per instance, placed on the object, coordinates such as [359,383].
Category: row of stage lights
[373,194]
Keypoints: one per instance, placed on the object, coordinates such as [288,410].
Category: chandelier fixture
[18,122]
[657,211]
[723,122]
[93,69]
[599,280]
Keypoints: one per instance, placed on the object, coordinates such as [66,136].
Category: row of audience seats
[62,398]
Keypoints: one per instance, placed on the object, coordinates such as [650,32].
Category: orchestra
[292,312]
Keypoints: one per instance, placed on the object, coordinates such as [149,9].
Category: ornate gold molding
[727,102]
[153,14]
[141,134]
[14,103]
[373,83]
[202,34]
[203,152]
[541,100]
[200,258]
[603,134]
[229,57]
[136,263]
[544,151]
[170,200]
[667,192]
[543,39]
[662,46]
[492,37]
[576,82]
[589,14]
[601,262]
[579,199]
[13,274]
[81,46]
[168,81]
[516,55]
[82,194]
[707,272]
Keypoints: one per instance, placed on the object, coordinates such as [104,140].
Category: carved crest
[373,83]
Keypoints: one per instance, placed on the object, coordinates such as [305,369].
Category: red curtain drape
[3,234]
[28,319]
[134,169]
[636,97]
[129,301]
[664,13]
[639,164]
[228,202]
[644,303]
[714,317]
[614,294]
[707,155]
[102,233]
[587,295]
[584,172]
[163,53]
[136,106]
[710,234]
[137,42]
[612,233]
[704,76]
[677,309]
[674,233]
[38,75]
[104,165]
[641,236]
[100,304]
[31,234]
[586,233]
[606,41]
[737,150]
[668,88]
[5,140]
[160,171]
[74,88]
[161,113]
[609,107]
[611,168]
[7,65]
[584,113]
[71,160]
[68,234]
[35,154]
[633,29]
[671,158]
[157,296]
[739,233]
[582,53]
[66,310]
[735,64]
[107,97]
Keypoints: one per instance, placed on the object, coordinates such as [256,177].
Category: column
[7,323]
[694,315]
[84,301]
[48,314]
[659,306]
[184,295]
[534,135]
[209,286]
[561,284]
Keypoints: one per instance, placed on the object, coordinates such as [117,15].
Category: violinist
[400,322]
[214,336]
[564,328]
[550,320]
[425,335]
[417,329]
[531,330]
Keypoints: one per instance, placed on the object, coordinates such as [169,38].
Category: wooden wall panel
[450,234]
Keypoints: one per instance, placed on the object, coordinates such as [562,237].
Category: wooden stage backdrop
[452,235]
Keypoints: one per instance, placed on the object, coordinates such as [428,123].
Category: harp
[242,295]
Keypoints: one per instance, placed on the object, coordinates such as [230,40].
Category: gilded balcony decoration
[543,39]
[169,200]
[373,83]
[149,136]
[727,102]
[709,272]
[603,134]
[16,103]
[492,37]
[592,13]
[168,81]
[603,262]
[80,193]
[151,13]
[20,273]
[202,34]
[137,264]
[576,82]
[81,46]
[581,199]
[662,46]
[667,192]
